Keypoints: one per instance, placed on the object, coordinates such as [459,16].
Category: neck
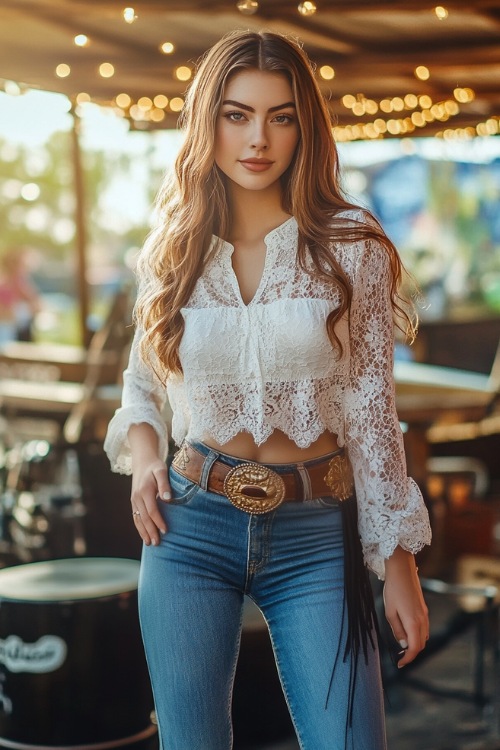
[254,213]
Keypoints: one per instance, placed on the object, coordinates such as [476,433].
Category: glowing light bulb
[441,13]
[106,70]
[81,40]
[145,103]
[183,73]
[129,15]
[123,100]
[327,72]
[12,88]
[422,73]
[248,7]
[160,101]
[307,8]
[157,115]
[63,70]
[411,101]
[348,101]
[176,104]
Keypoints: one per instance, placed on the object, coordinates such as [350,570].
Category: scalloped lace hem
[410,530]
[260,434]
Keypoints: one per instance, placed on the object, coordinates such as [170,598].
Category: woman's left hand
[405,608]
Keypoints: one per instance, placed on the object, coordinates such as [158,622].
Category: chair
[476,593]
[57,493]
[74,404]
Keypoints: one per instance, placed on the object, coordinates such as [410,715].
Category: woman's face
[257,129]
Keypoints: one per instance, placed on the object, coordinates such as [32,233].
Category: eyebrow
[251,109]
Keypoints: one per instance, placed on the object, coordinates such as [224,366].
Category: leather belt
[257,488]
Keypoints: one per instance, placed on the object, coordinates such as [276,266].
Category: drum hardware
[41,507]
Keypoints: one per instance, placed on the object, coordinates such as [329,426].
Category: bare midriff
[278,448]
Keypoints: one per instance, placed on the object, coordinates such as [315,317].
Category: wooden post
[81,232]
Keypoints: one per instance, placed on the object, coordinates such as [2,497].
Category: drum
[72,666]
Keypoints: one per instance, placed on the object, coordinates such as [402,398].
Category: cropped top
[270,365]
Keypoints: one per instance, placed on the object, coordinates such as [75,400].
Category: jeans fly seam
[249,572]
[258,555]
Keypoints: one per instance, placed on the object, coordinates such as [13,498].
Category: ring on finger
[136,513]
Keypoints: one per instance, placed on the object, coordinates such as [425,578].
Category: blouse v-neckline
[273,242]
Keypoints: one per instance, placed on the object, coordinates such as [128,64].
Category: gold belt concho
[254,488]
[340,477]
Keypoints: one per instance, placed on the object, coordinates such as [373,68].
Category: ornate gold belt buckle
[254,488]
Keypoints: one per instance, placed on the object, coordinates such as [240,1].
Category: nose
[259,140]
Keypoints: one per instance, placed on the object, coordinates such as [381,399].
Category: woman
[266,305]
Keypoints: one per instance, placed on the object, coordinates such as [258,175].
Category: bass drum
[72,666]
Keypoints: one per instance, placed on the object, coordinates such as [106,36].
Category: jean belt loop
[209,461]
[306,482]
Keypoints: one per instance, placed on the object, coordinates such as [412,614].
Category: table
[426,392]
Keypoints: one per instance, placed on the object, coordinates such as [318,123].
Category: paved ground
[420,720]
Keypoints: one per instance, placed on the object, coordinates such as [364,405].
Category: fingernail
[167,496]
[163,531]
[403,643]
[153,542]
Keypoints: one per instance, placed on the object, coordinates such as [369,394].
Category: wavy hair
[192,204]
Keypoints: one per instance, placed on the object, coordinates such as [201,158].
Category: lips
[256,165]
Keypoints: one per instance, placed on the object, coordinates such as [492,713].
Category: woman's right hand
[150,484]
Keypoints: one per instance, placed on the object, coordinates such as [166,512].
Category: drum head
[69,579]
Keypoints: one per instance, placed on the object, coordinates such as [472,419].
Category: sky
[30,119]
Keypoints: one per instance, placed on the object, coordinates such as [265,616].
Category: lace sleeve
[390,505]
[143,400]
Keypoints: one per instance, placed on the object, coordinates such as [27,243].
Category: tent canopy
[374,48]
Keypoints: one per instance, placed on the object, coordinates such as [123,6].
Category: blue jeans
[191,589]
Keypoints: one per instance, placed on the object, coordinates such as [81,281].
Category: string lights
[371,119]
[250,7]
[423,112]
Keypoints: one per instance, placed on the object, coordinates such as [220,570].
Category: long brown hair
[192,203]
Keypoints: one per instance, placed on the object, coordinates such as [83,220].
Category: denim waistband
[205,450]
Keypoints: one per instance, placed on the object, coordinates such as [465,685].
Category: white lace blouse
[270,365]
